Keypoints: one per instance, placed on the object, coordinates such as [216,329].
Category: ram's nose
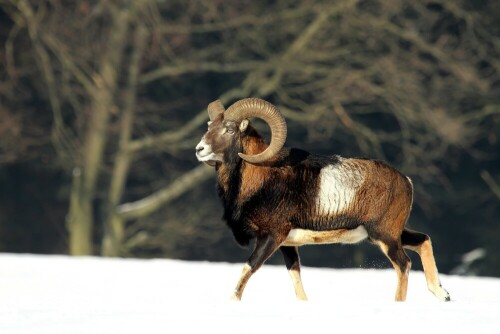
[199,148]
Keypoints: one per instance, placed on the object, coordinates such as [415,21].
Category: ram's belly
[299,237]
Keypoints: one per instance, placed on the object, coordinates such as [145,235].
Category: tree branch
[180,69]
[238,22]
[177,135]
[152,202]
[62,139]
[494,186]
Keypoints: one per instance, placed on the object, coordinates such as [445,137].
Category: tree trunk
[113,226]
[79,222]
[102,102]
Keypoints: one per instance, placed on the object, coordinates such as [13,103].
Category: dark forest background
[102,103]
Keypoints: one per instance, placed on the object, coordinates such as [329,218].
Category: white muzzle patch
[204,152]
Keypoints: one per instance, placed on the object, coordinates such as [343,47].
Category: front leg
[292,262]
[265,246]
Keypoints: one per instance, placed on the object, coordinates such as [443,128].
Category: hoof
[234,297]
[439,292]
[443,295]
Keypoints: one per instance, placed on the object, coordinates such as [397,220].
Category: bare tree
[127,83]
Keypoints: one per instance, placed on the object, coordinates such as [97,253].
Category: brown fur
[258,174]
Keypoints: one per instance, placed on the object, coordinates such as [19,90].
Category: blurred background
[102,103]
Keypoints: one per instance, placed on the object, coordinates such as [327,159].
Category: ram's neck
[253,143]
[237,179]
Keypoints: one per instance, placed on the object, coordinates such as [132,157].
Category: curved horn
[215,109]
[264,110]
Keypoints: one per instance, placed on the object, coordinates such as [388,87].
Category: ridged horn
[215,109]
[253,107]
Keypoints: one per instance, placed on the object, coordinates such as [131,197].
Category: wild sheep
[287,197]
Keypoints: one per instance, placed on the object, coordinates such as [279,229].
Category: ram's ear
[244,125]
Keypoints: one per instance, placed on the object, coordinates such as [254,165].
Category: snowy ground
[57,294]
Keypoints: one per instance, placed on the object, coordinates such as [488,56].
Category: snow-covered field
[58,294]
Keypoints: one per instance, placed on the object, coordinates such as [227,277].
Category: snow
[60,294]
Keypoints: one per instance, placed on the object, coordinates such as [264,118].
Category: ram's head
[227,128]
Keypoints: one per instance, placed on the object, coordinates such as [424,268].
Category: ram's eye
[230,131]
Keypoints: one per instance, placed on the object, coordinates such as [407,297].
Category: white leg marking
[441,293]
[245,275]
[431,272]
[297,284]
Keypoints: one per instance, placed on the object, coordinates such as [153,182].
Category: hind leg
[401,262]
[421,244]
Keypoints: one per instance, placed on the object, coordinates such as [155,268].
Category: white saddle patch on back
[299,237]
[337,189]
